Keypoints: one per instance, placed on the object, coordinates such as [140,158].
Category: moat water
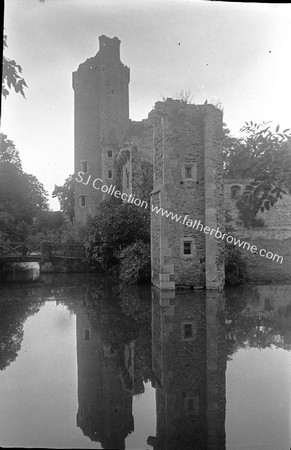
[87,362]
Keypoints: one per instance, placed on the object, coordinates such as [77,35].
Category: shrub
[235,266]
[114,227]
[135,264]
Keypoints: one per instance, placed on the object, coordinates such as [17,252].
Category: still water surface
[89,363]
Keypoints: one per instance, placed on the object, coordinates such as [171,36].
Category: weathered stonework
[104,405]
[274,236]
[189,364]
[101,120]
[176,139]
[187,141]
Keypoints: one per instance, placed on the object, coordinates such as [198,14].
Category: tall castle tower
[101,119]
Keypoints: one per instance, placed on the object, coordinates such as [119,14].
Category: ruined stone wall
[140,135]
[274,236]
[186,141]
[259,268]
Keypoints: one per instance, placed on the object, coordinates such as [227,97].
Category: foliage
[121,315]
[135,262]
[71,235]
[262,328]
[235,265]
[184,95]
[12,320]
[21,194]
[66,196]
[263,157]
[230,148]
[114,227]
[11,75]
[51,220]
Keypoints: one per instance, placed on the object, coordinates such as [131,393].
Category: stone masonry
[183,144]
[187,181]
[189,364]
[101,119]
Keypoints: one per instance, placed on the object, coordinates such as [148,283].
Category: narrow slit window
[84,166]
[188,171]
[82,200]
[109,173]
[87,335]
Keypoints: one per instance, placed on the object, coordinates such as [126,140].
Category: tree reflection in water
[13,315]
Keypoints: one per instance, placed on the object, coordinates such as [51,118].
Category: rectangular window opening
[109,173]
[187,248]
[109,153]
[84,166]
[188,330]
[87,335]
[82,200]
[188,171]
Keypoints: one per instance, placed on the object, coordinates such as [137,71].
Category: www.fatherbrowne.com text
[184,219]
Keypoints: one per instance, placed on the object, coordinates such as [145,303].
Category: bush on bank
[115,227]
[135,263]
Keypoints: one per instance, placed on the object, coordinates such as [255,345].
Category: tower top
[109,44]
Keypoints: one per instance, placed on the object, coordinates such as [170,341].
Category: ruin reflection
[110,332]
[189,365]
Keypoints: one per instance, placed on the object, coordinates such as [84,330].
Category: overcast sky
[237,53]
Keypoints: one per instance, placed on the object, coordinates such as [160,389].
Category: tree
[113,228]
[21,194]
[262,157]
[12,321]
[11,75]
[8,152]
[66,196]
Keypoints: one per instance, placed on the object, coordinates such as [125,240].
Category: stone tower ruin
[183,143]
[188,182]
[101,108]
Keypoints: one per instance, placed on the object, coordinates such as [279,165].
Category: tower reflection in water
[185,361]
[189,365]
